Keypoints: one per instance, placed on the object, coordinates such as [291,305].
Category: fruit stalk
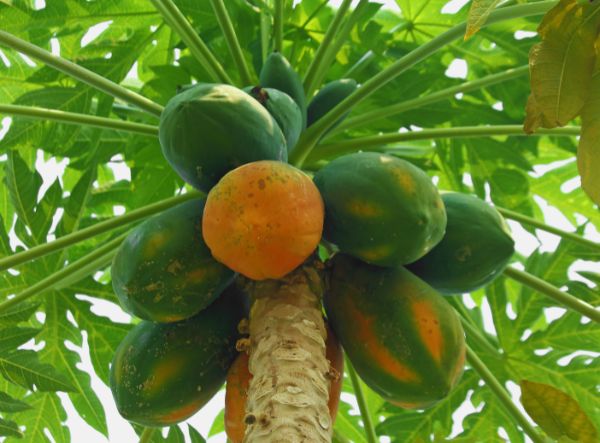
[288,393]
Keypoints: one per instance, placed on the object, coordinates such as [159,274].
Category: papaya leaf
[9,404]
[557,413]
[46,416]
[175,435]
[18,313]
[478,14]
[588,152]
[195,436]
[11,338]
[23,186]
[9,429]
[561,65]
[24,369]
[218,424]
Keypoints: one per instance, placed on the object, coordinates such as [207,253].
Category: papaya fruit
[163,373]
[380,209]
[163,271]
[263,219]
[476,248]
[278,73]
[328,97]
[210,129]
[238,381]
[403,338]
[284,110]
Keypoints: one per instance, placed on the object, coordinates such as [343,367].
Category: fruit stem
[448,93]
[78,119]
[332,31]
[288,391]
[333,49]
[554,293]
[232,41]
[80,73]
[178,23]
[347,146]
[278,25]
[147,434]
[312,135]
[362,403]
[540,225]
[265,24]
[492,382]
[96,259]
[92,231]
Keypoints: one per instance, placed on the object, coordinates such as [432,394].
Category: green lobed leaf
[24,369]
[11,338]
[9,429]
[9,404]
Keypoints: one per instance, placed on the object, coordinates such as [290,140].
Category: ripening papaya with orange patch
[263,219]
[403,338]
[238,381]
[162,373]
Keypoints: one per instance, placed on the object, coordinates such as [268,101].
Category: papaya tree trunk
[288,392]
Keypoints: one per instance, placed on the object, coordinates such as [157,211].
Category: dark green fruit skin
[328,97]
[380,209]
[210,129]
[278,73]
[284,110]
[403,338]
[163,271]
[162,373]
[475,250]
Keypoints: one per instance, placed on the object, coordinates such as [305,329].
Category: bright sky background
[120,430]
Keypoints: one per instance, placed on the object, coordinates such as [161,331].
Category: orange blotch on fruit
[428,326]
[263,219]
[378,353]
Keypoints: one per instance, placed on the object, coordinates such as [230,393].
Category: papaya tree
[307,208]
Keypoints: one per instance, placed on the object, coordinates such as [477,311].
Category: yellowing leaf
[534,116]
[557,413]
[588,152]
[561,65]
[478,14]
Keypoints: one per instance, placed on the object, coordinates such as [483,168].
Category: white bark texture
[289,389]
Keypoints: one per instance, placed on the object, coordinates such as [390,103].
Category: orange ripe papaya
[263,219]
[238,380]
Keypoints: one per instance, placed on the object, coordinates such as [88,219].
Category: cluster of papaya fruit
[396,244]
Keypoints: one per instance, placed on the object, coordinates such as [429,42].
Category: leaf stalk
[362,403]
[79,119]
[80,73]
[492,382]
[89,232]
[554,293]
[312,135]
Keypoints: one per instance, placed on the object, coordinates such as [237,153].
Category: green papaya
[380,209]
[328,97]
[163,271]
[278,73]
[210,129]
[403,338]
[162,373]
[284,110]
[476,248]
